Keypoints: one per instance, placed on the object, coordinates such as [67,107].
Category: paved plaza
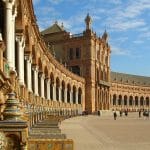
[104,133]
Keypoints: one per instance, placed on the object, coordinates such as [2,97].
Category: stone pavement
[104,133]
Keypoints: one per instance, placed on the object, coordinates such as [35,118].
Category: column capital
[14,15]
[9,3]
[27,57]
[47,79]
[41,74]
[19,38]
[35,67]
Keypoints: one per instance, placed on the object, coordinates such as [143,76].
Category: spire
[105,36]
[56,22]
[62,25]
[88,21]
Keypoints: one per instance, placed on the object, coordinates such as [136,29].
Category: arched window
[74,94]
[130,100]
[114,99]
[120,100]
[63,91]
[45,88]
[79,96]
[51,86]
[136,101]
[78,53]
[147,101]
[39,83]
[125,100]
[57,89]
[141,101]
[68,93]
[70,54]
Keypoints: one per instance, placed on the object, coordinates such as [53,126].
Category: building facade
[86,55]
[129,92]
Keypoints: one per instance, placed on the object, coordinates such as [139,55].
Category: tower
[88,21]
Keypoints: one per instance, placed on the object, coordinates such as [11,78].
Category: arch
[141,101]
[13,141]
[27,39]
[68,93]
[57,88]
[74,94]
[45,82]
[120,100]
[101,75]
[40,65]
[147,101]
[114,99]
[136,101]
[63,91]
[51,85]
[125,100]
[97,77]
[130,100]
[34,56]
[79,95]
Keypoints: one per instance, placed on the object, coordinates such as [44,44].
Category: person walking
[115,115]
[139,113]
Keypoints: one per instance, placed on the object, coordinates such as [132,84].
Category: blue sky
[126,21]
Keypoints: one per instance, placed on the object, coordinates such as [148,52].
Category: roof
[129,79]
[53,29]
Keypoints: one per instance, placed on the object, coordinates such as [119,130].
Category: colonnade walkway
[105,133]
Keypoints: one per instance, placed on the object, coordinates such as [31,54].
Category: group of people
[146,113]
[121,112]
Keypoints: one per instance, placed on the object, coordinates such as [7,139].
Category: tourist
[120,113]
[115,115]
[139,113]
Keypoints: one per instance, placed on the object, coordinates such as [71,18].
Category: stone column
[54,91]
[35,69]
[65,95]
[77,97]
[42,76]
[9,33]
[60,98]
[28,64]
[71,96]
[48,88]
[20,59]
[13,38]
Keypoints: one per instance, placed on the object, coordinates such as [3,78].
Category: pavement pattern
[104,133]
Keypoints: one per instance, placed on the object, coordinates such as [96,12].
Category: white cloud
[138,41]
[56,2]
[122,25]
[119,51]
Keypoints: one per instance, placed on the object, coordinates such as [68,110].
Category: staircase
[47,129]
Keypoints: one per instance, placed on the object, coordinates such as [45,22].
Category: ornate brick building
[88,56]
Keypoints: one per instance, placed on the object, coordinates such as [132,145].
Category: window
[76,69]
[71,53]
[78,53]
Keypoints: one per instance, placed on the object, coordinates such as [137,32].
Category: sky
[126,21]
